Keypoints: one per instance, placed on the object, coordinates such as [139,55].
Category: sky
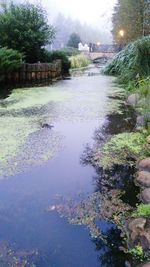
[96,13]
[93,12]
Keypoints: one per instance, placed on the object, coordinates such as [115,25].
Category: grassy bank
[132,63]
[132,68]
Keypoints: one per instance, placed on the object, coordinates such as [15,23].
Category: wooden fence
[35,73]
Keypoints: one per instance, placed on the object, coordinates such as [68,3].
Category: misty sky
[94,12]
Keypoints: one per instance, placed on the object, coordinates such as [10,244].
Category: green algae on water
[96,206]
[32,97]
[22,115]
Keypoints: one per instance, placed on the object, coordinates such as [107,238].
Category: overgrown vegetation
[79,61]
[132,63]
[10,60]
[123,148]
[132,66]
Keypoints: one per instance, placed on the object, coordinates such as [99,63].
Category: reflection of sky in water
[25,197]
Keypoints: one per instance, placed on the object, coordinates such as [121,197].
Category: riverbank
[133,149]
[138,226]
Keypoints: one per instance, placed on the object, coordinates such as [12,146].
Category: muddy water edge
[57,202]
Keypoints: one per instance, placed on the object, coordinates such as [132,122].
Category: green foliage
[24,27]
[138,253]
[51,56]
[132,62]
[133,17]
[74,40]
[142,210]
[79,61]
[121,149]
[10,60]
[144,87]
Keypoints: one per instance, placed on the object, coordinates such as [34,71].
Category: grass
[79,61]
[132,62]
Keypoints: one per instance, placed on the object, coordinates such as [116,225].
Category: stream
[42,165]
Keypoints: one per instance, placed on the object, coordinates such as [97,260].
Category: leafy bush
[132,62]
[79,61]
[142,210]
[10,60]
[25,27]
[51,56]
[70,51]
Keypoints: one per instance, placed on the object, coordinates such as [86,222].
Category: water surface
[41,165]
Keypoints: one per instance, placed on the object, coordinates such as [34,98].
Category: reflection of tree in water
[110,253]
[118,177]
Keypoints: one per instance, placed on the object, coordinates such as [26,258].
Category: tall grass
[132,62]
[79,61]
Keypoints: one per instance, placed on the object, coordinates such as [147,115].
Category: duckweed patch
[14,132]
[26,98]
[26,109]
[116,100]
[96,206]
[123,148]
[9,256]
[22,114]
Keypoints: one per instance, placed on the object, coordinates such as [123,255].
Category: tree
[133,17]
[74,40]
[24,27]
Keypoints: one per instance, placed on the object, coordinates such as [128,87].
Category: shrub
[10,60]
[132,62]
[51,56]
[25,27]
[79,61]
